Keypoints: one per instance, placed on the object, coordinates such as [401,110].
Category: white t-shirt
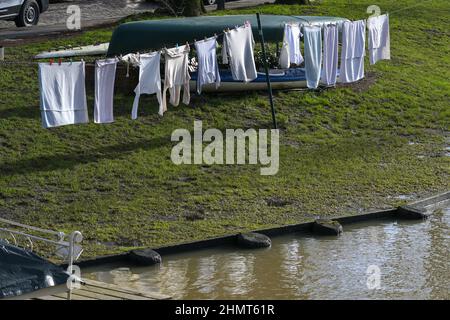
[238,51]
[149,80]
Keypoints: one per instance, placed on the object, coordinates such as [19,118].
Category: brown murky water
[412,258]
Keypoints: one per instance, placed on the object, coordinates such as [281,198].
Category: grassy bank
[342,150]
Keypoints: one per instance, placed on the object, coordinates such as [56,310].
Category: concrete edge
[270,232]
[433,200]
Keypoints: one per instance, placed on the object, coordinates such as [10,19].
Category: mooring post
[266,67]
[2,53]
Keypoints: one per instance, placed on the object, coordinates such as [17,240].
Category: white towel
[63,94]
[330,52]
[353,51]
[105,77]
[313,55]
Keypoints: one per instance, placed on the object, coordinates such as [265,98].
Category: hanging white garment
[208,68]
[284,60]
[313,55]
[63,94]
[149,80]
[237,49]
[176,76]
[330,54]
[105,77]
[353,51]
[379,38]
[290,52]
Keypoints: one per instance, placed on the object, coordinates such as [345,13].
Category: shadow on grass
[70,160]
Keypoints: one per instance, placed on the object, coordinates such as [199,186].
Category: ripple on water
[412,257]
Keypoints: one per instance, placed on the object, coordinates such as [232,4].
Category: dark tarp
[23,272]
[147,35]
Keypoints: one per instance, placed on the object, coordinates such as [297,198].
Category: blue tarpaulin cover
[23,272]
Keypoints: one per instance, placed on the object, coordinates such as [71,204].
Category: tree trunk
[193,8]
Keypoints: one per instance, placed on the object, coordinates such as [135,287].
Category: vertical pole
[266,67]
[2,53]
[70,268]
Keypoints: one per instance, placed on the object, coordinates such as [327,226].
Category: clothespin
[51,61]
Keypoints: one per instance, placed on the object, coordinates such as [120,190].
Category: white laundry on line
[149,80]
[208,67]
[330,54]
[353,51]
[290,51]
[63,94]
[313,55]
[105,77]
[176,76]
[379,38]
[238,49]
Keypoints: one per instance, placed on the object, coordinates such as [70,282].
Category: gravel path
[95,13]
[90,10]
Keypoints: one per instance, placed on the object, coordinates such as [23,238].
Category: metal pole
[266,67]
[2,53]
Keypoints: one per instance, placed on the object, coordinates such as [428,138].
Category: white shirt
[208,68]
[379,38]
[238,51]
[105,77]
[149,79]
[63,94]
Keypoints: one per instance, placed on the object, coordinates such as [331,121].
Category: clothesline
[33,63]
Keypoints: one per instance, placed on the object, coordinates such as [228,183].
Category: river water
[382,259]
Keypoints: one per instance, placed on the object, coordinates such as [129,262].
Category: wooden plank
[74,296]
[153,295]
[95,295]
[115,294]
[48,298]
